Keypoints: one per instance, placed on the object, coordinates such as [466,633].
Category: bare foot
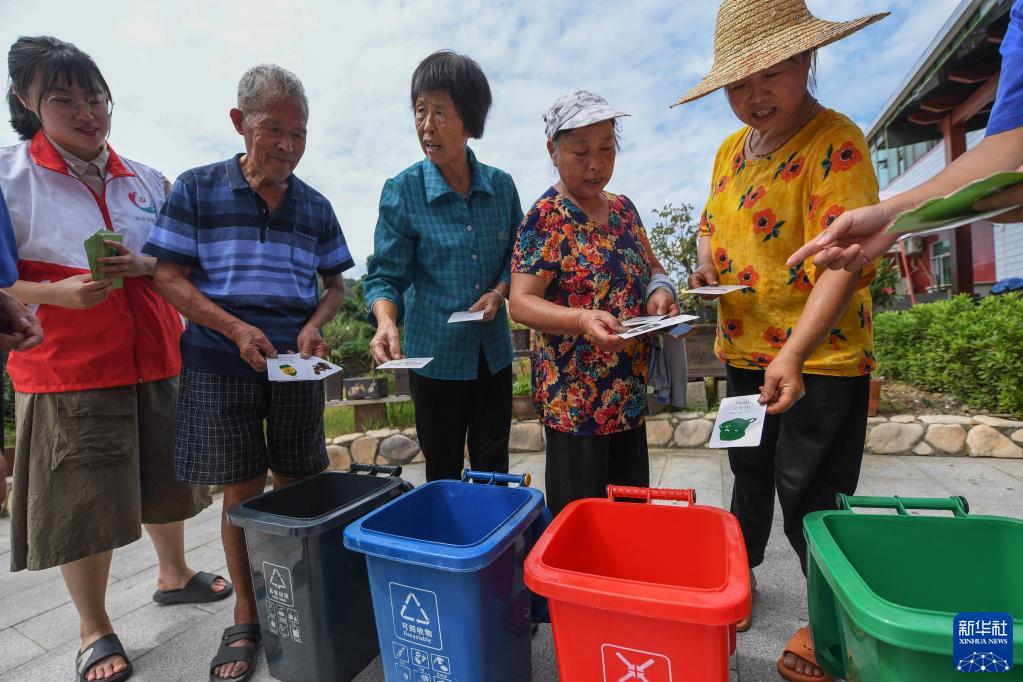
[236,669]
[107,667]
[793,662]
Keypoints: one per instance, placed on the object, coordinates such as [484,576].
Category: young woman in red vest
[95,402]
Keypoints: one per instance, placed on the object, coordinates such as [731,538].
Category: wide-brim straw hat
[751,35]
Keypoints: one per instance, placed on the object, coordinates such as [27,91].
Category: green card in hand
[95,248]
[957,208]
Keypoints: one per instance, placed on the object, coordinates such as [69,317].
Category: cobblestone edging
[929,435]
[935,435]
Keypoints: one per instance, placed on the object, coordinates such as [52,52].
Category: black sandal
[236,654]
[104,647]
[198,590]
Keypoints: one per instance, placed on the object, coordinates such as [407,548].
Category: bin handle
[648,494]
[374,469]
[494,477]
[957,504]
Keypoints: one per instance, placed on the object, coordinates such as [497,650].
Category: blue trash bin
[445,571]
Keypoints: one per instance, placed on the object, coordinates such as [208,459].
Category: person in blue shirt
[443,244]
[242,245]
[857,237]
[19,328]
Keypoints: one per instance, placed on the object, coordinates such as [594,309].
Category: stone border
[939,435]
[905,434]
[936,435]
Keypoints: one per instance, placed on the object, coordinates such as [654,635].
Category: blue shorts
[233,429]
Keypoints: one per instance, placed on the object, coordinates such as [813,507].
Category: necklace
[785,140]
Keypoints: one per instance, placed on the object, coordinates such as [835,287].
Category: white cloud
[174,67]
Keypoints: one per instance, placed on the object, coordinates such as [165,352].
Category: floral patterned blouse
[578,388]
[760,211]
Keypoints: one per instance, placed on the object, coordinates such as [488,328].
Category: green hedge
[973,351]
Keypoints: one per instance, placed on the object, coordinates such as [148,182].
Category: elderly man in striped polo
[239,245]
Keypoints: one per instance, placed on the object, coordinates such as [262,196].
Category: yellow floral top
[760,211]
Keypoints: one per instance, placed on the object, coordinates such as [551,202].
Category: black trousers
[446,410]
[808,454]
[583,466]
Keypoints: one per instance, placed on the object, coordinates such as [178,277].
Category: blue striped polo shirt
[259,267]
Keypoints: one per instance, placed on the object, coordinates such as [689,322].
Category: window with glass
[941,264]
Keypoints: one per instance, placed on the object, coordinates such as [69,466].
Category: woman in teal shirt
[443,244]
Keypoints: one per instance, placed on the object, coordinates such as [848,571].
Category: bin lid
[684,564]
[862,556]
[448,525]
[316,504]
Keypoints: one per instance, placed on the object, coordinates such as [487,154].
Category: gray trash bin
[313,595]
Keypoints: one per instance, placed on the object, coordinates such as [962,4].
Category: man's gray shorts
[233,429]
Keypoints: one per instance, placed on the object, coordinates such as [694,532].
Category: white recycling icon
[277,581]
[421,618]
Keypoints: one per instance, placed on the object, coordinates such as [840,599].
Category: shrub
[973,351]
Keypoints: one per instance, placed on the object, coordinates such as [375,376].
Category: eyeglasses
[97,106]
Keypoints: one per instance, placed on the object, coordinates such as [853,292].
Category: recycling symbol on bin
[622,664]
[413,611]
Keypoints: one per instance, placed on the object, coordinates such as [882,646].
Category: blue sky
[174,67]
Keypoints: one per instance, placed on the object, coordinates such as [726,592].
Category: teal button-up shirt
[440,252]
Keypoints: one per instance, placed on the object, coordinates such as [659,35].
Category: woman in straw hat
[782,178]
[581,264]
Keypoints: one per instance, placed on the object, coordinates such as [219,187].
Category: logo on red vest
[141,202]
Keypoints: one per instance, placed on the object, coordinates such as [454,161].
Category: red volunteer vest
[132,337]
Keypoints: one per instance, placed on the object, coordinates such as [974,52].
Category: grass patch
[337,421]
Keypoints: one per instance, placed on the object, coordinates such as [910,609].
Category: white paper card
[293,367]
[406,363]
[466,316]
[285,367]
[740,423]
[719,290]
[646,319]
[665,323]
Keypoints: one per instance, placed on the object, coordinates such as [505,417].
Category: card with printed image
[646,319]
[293,367]
[406,363]
[665,323]
[286,367]
[740,422]
[320,368]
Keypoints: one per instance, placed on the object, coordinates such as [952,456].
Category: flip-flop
[744,624]
[104,647]
[801,646]
[198,590]
[245,653]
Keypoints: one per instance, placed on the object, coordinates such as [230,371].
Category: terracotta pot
[874,402]
[523,407]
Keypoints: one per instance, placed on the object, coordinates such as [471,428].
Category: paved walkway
[38,624]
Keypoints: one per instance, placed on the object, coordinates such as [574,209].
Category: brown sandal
[801,646]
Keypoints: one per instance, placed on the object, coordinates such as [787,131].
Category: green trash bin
[884,589]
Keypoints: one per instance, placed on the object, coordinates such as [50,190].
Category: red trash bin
[642,592]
